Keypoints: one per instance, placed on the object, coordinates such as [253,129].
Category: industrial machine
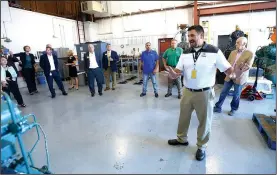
[183,31]
[265,59]
[250,92]
[268,54]
[13,126]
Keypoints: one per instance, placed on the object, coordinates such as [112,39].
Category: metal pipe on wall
[64,36]
[61,35]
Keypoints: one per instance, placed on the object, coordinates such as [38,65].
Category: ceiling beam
[238,8]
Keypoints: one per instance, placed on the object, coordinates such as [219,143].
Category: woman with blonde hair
[71,62]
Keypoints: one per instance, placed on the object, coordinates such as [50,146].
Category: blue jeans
[236,96]
[145,81]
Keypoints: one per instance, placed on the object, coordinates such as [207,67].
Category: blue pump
[13,126]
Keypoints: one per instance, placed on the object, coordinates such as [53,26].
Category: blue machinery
[13,126]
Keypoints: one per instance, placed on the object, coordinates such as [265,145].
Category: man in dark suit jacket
[110,58]
[49,64]
[93,68]
[27,62]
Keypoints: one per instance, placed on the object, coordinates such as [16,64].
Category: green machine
[13,126]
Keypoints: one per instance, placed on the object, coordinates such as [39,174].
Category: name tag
[105,54]
[88,57]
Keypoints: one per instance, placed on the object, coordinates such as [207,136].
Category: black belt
[199,90]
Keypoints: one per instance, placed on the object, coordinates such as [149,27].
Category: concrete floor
[121,132]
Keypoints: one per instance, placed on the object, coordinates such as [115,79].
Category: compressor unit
[13,126]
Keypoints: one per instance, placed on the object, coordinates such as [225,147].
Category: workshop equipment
[13,126]
[268,54]
[250,92]
[183,31]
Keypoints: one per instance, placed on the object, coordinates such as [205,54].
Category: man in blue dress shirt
[150,64]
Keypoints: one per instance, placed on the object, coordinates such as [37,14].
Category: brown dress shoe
[106,89]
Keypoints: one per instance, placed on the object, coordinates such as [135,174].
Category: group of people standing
[49,63]
[198,66]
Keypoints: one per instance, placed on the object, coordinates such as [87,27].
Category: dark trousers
[29,76]
[12,87]
[236,96]
[56,76]
[98,75]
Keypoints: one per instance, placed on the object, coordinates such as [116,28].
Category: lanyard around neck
[195,55]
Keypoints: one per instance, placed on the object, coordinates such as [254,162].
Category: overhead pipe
[77,5]
[238,8]
[195,13]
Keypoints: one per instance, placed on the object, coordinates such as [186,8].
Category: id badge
[193,74]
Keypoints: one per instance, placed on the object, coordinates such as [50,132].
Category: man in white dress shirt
[93,68]
[49,64]
[199,64]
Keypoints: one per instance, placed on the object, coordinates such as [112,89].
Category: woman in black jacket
[28,70]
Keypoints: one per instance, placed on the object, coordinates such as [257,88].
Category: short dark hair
[173,40]
[24,48]
[199,29]
[48,48]
[108,45]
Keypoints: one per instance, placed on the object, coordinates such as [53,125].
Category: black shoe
[142,94]
[92,94]
[168,94]
[200,155]
[53,95]
[36,91]
[217,110]
[179,96]
[32,93]
[113,89]
[175,142]
[156,95]
[100,93]
[64,93]
[23,105]
[231,113]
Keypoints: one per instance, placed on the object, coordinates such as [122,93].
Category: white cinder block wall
[36,30]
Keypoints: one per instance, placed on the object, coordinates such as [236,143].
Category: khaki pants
[172,82]
[107,74]
[202,103]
